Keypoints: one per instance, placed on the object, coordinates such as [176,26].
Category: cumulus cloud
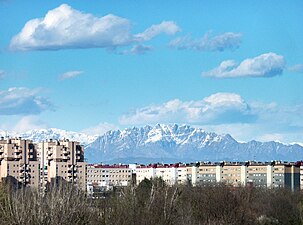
[23,101]
[227,113]
[65,27]
[167,27]
[298,68]
[100,129]
[225,41]
[217,108]
[265,65]
[70,74]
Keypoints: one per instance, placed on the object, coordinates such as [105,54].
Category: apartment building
[259,174]
[102,178]
[18,162]
[62,160]
[206,173]
[109,175]
[286,175]
[269,174]
[301,174]
[170,173]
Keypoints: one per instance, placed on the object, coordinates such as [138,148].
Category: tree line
[152,202]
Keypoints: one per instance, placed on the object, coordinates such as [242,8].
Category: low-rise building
[268,174]
[170,173]
[102,178]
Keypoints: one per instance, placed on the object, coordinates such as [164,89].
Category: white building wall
[269,175]
[218,173]
[243,175]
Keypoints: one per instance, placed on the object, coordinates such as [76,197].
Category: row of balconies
[24,178]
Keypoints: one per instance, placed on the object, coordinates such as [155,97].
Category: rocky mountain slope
[172,143]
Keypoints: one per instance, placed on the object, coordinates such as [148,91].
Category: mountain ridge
[171,143]
[167,143]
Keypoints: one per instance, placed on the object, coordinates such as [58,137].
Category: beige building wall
[19,163]
[64,160]
[259,175]
[206,174]
[231,174]
[106,175]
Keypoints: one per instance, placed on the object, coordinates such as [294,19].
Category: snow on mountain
[52,133]
[167,143]
[171,143]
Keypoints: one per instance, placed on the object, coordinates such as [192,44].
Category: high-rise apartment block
[25,163]
[62,160]
[18,162]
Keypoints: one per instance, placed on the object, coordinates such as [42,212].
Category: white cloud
[12,125]
[23,101]
[298,68]
[65,27]
[217,108]
[29,123]
[100,129]
[167,27]
[70,75]
[228,40]
[265,65]
[227,113]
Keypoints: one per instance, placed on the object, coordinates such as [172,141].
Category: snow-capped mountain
[52,133]
[167,143]
[171,143]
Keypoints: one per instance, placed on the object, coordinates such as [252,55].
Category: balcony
[72,175]
[17,156]
[72,169]
[17,150]
[49,153]
[78,152]
[66,157]
[66,152]
[24,180]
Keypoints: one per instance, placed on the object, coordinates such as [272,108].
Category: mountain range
[39,135]
[168,144]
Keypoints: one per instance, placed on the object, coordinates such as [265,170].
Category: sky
[90,66]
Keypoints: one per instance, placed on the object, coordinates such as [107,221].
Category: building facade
[170,173]
[102,178]
[257,174]
[19,163]
[62,160]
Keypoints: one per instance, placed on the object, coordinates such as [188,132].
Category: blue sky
[227,66]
